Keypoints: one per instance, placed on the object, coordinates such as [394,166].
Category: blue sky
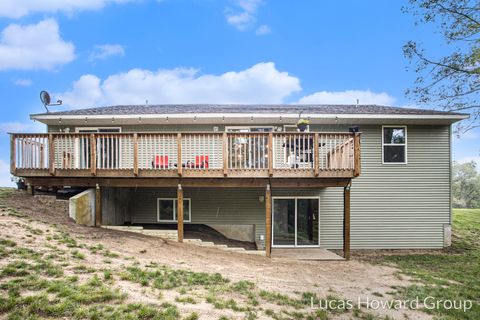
[100,52]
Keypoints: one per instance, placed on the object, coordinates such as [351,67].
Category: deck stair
[171,235]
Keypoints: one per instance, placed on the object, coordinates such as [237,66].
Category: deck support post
[13,157]
[93,155]
[268,221]
[180,213]
[225,153]
[51,154]
[98,206]
[179,154]
[346,221]
[357,154]
[270,154]
[135,154]
[30,189]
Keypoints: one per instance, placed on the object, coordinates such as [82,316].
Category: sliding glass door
[295,222]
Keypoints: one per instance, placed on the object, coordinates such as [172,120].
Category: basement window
[394,144]
[167,210]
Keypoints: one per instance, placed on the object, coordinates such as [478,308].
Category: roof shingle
[247,109]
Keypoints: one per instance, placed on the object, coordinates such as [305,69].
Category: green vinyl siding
[392,205]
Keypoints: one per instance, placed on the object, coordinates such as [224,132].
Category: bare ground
[350,280]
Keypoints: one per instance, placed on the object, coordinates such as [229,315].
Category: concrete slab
[320,254]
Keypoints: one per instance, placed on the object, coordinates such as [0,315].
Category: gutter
[246,115]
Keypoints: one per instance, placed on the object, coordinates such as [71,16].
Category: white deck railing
[285,154]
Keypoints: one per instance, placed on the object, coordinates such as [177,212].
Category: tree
[465,185]
[449,82]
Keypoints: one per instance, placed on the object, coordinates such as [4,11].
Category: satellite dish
[46,100]
[45,97]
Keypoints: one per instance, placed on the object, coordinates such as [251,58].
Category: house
[360,176]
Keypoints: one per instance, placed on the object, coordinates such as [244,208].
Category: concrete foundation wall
[236,232]
[81,208]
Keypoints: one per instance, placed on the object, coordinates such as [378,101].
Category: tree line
[465,185]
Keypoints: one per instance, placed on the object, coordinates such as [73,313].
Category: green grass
[55,281]
[452,274]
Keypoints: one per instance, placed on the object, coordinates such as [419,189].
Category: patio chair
[201,162]
[160,162]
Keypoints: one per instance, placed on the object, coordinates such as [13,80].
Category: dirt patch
[349,280]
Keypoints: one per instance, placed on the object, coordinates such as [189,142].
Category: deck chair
[201,162]
[160,162]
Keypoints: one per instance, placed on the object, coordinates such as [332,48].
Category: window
[394,144]
[248,129]
[108,149]
[167,210]
[293,128]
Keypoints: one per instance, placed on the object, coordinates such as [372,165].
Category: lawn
[52,269]
[452,274]
[46,272]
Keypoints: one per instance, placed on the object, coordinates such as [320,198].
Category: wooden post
[13,156]
[316,160]
[135,154]
[42,156]
[346,222]
[268,221]
[30,189]
[98,206]
[51,154]
[179,154]
[357,153]
[93,155]
[225,154]
[180,213]
[270,154]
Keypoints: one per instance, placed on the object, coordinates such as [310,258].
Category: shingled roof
[245,109]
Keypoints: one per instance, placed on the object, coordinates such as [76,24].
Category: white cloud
[33,47]
[245,15]
[86,92]
[348,97]
[263,30]
[262,83]
[105,51]
[21,127]
[20,8]
[23,82]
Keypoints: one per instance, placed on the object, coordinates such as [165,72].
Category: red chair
[160,162]
[201,162]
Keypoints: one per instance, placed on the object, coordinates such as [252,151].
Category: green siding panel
[392,206]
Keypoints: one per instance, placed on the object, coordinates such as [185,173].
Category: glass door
[108,149]
[283,222]
[295,222]
[307,222]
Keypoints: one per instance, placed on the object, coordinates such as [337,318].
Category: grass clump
[163,277]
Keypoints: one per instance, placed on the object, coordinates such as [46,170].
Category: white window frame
[294,126]
[296,214]
[77,142]
[78,129]
[228,128]
[394,144]
[285,149]
[174,209]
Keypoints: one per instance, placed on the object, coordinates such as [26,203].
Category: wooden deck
[186,155]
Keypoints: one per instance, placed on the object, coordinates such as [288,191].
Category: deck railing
[186,154]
